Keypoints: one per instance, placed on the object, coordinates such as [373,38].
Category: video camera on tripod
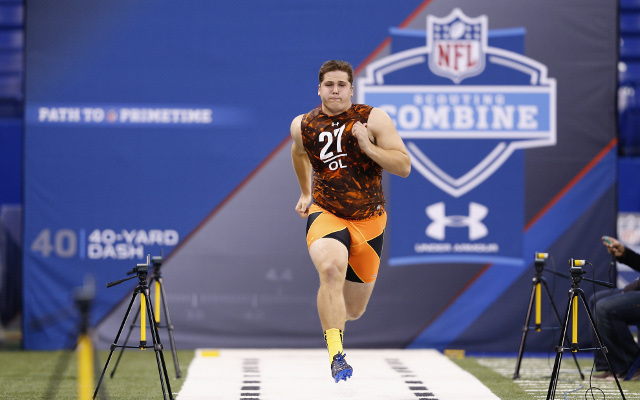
[141,271]
[535,307]
[152,270]
[575,269]
[576,294]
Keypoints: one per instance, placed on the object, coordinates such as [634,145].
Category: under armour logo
[335,123]
[473,221]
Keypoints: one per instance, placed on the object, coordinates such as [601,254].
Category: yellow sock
[333,337]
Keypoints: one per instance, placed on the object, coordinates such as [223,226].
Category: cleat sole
[343,375]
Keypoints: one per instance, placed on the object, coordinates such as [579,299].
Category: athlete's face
[335,91]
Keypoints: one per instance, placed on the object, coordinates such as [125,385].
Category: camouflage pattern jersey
[346,182]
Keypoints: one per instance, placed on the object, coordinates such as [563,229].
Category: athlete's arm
[382,143]
[302,167]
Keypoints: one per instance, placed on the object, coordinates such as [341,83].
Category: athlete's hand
[360,131]
[303,205]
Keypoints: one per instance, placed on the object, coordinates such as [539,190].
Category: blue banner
[162,128]
[464,109]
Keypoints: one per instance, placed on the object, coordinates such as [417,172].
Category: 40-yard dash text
[127,244]
[101,244]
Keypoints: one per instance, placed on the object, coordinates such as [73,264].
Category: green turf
[28,375]
[32,374]
[501,386]
[535,376]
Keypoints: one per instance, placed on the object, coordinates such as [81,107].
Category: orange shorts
[363,239]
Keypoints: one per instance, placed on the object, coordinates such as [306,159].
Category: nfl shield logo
[457,45]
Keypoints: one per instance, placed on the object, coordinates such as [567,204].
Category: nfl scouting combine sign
[463,108]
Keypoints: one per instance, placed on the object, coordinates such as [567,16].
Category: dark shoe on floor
[603,375]
[340,370]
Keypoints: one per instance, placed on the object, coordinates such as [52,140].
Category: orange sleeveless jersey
[346,182]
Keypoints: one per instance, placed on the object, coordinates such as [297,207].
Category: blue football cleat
[340,370]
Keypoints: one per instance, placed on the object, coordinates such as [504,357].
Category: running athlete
[346,146]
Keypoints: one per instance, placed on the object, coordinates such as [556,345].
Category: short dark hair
[336,65]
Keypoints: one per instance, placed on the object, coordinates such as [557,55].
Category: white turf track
[277,374]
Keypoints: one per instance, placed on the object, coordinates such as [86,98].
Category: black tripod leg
[157,346]
[169,327]
[115,342]
[603,348]
[525,331]
[555,310]
[559,350]
[115,367]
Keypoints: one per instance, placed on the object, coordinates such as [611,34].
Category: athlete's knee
[353,313]
[331,271]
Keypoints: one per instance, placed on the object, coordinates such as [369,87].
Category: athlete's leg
[328,239]
[364,262]
[330,258]
[356,298]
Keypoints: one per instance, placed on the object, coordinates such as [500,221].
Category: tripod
[141,271]
[576,293]
[160,298]
[538,283]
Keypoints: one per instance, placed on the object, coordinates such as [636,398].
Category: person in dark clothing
[614,311]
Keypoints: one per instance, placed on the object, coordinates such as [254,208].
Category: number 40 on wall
[64,243]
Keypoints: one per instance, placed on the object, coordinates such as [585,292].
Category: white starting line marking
[294,374]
